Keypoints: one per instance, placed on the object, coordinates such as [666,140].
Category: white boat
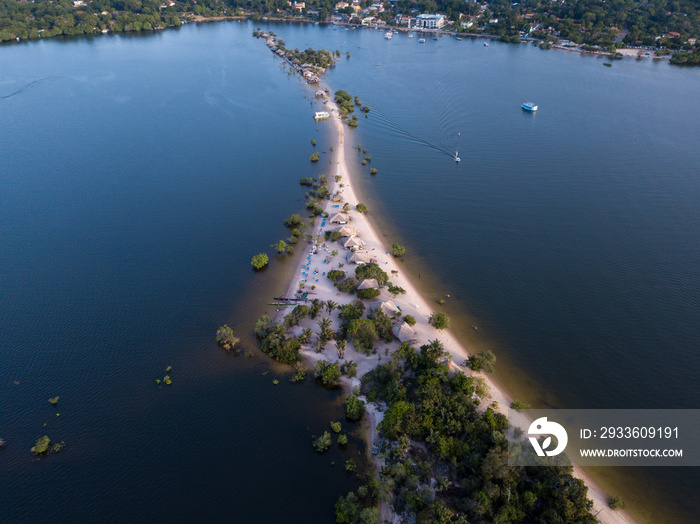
[388,35]
[421,40]
[457,159]
[486,44]
[529,106]
[321,115]
[410,35]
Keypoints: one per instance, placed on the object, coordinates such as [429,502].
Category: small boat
[410,35]
[321,115]
[486,44]
[435,38]
[388,35]
[457,159]
[421,40]
[457,38]
[529,106]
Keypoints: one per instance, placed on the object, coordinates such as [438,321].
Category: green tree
[484,361]
[354,408]
[347,509]
[367,294]
[314,157]
[280,246]
[327,372]
[361,208]
[439,320]
[323,443]
[41,447]
[371,270]
[363,333]
[398,249]
[293,220]
[615,502]
[259,261]
[225,338]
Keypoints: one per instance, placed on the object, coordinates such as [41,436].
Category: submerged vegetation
[225,338]
[259,261]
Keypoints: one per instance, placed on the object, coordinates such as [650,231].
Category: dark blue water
[568,236]
[137,178]
[140,174]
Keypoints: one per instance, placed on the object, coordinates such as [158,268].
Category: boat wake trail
[19,91]
[445,149]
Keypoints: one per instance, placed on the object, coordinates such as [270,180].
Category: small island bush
[336,427]
[354,408]
[53,401]
[518,405]
[293,220]
[259,261]
[280,246]
[41,446]
[299,373]
[225,338]
[342,440]
[616,502]
[410,320]
[397,249]
[484,361]
[439,320]
[373,171]
[323,443]
[314,157]
[361,208]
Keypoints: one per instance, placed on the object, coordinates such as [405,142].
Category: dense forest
[446,461]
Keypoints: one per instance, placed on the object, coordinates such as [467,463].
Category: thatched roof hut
[368,283]
[404,332]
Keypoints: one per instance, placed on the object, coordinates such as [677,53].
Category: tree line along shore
[664,26]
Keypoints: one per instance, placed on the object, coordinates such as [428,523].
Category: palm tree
[442,483]
[340,344]
[315,307]
[330,306]
[325,323]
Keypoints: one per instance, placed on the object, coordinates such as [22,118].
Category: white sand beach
[314,267]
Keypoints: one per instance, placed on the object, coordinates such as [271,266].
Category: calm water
[137,179]
[139,175]
[570,237]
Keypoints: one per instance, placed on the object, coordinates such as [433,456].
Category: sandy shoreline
[312,269]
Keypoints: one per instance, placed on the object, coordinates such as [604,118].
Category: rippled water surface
[139,175]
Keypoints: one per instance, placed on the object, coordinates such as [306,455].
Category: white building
[428,21]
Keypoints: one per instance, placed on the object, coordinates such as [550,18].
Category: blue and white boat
[529,106]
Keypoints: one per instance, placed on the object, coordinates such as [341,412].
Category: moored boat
[321,115]
[529,106]
[388,35]
[421,40]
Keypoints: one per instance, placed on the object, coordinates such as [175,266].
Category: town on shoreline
[616,31]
